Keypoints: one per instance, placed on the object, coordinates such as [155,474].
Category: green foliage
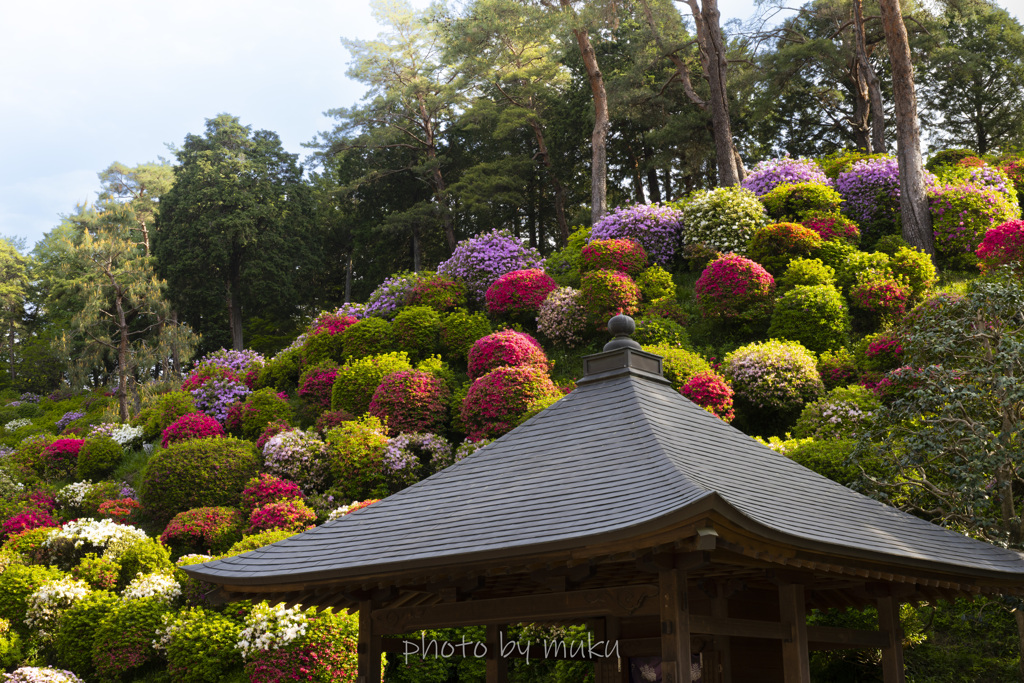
[257,410]
[814,315]
[948,157]
[98,458]
[99,572]
[122,641]
[145,556]
[355,451]
[202,648]
[166,409]
[657,331]
[415,331]
[320,347]
[841,162]
[196,473]
[890,244]
[842,413]
[17,583]
[369,336]
[805,272]
[76,632]
[656,283]
[358,379]
[794,202]
[775,245]
[565,264]
[961,214]
[856,263]
[917,268]
[679,365]
[459,331]
[256,541]
[829,458]
[607,293]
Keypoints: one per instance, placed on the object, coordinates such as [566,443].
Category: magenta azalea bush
[61,457]
[266,488]
[1002,245]
[711,392]
[734,287]
[621,255]
[563,317]
[871,187]
[658,229]
[26,521]
[608,293]
[332,323]
[411,401]
[281,515]
[317,385]
[506,348]
[497,399]
[191,426]
[519,293]
[838,228]
[773,375]
[770,173]
[479,261]
[213,529]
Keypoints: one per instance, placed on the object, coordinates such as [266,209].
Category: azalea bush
[297,456]
[281,515]
[412,456]
[326,651]
[773,376]
[621,255]
[440,292]
[679,365]
[250,417]
[734,287]
[214,396]
[415,330]
[498,398]
[770,173]
[411,401]
[776,244]
[355,453]
[961,215]
[367,337]
[61,457]
[1002,245]
[358,379]
[800,201]
[266,488]
[658,229]
[26,520]
[563,317]
[842,413]
[393,294]
[166,409]
[480,260]
[711,392]
[723,219]
[816,316]
[506,348]
[98,457]
[316,383]
[191,426]
[833,228]
[654,330]
[519,293]
[878,297]
[459,331]
[206,529]
[606,294]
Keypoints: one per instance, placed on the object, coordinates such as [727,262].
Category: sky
[85,83]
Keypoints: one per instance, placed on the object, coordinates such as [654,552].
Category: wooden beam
[739,628]
[892,652]
[497,665]
[720,610]
[795,654]
[369,648]
[623,601]
[833,638]
[675,626]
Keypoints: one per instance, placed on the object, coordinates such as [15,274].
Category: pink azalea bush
[281,515]
[733,287]
[608,293]
[333,323]
[497,399]
[505,348]
[61,456]
[266,488]
[1002,245]
[776,244]
[621,255]
[411,401]
[711,392]
[833,228]
[657,228]
[519,293]
[317,385]
[191,426]
[203,529]
[26,521]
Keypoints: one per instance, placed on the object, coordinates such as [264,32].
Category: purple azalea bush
[871,189]
[479,261]
[299,457]
[770,173]
[392,294]
[68,418]
[238,362]
[657,228]
[215,396]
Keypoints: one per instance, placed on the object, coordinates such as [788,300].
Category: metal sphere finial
[622,326]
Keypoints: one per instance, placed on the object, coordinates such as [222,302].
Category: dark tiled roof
[622,451]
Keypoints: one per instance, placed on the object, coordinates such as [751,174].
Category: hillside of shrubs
[789,307]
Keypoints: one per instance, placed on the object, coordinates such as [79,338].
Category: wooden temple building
[627,507]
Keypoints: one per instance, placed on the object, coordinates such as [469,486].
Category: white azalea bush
[50,600]
[73,495]
[41,674]
[271,627]
[723,219]
[16,424]
[99,533]
[155,585]
[127,436]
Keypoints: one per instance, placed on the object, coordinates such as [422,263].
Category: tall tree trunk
[870,79]
[235,313]
[917,221]
[10,355]
[712,52]
[416,249]
[348,280]
[175,354]
[556,184]
[122,358]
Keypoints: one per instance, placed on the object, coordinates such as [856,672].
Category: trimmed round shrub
[215,396]
[272,430]
[282,371]
[411,457]
[831,228]
[506,348]
[657,228]
[460,330]
[1002,245]
[608,293]
[621,255]
[266,488]
[203,530]
[367,337]
[799,201]
[770,173]
[259,409]
[878,298]
[147,556]
[73,641]
[948,157]
[842,413]
[815,316]
[202,646]
[563,317]
[734,287]
[776,376]
[479,261]
[316,383]
[655,283]
[61,458]
[17,583]
[191,426]
[775,245]
[415,331]
[806,272]
[257,541]
[564,265]
[123,640]
[666,307]
[299,457]
[355,453]
[323,346]
[679,365]
[497,399]
[655,330]
[854,263]
[359,378]
[168,408]
[830,459]
[871,190]
[723,219]
[961,215]
[98,457]
[281,515]
[393,294]
[916,267]
[439,292]
[197,473]
[411,401]
[519,293]
[890,244]
[711,392]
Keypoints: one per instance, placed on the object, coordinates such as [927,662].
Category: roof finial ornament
[622,326]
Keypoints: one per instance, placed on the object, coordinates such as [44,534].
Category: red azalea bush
[621,255]
[519,293]
[833,228]
[191,426]
[734,287]
[26,521]
[120,509]
[1002,245]
[266,488]
[411,401]
[608,293]
[333,323]
[213,529]
[316,386]
[879,296]
[61,457]
[775,245]
[497,399]
[283,515]
[711,392]
[506,347]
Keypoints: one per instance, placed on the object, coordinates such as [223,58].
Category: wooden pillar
[675,627]
[892,656]
[369,649]
[497,666]
[720,610]
[796,658]
[609,669]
